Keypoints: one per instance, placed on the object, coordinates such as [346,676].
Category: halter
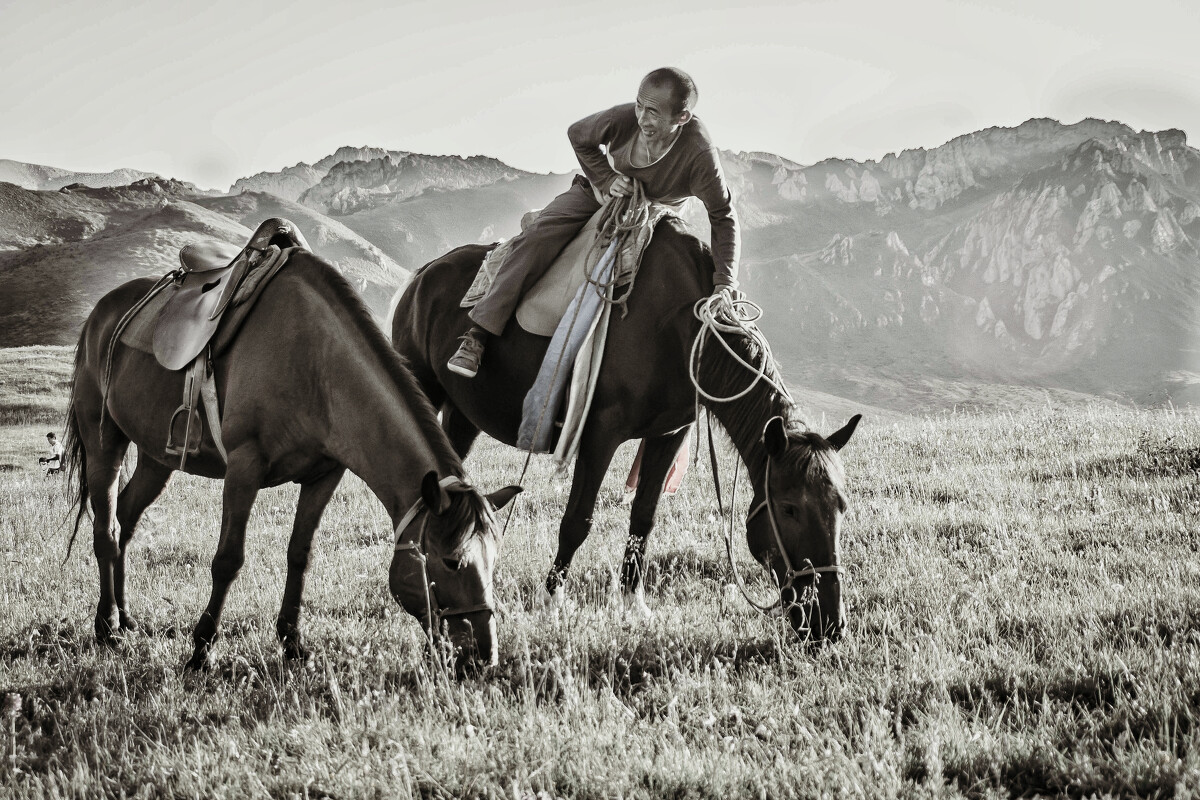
[433,609]
[791,575]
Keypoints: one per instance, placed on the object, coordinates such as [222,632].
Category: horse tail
[75,457]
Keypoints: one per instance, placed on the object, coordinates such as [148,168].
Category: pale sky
[209,92]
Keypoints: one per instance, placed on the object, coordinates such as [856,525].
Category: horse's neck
[381,427]
[744,420]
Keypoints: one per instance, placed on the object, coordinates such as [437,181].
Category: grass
[1024,619]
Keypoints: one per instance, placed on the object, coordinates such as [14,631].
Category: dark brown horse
[309,389]
[644,391]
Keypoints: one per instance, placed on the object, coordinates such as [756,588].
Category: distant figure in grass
[656,140]
[53,461]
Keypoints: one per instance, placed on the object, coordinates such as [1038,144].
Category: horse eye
[790,511]
[452,564]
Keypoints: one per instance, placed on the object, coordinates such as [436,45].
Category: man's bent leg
[532,253]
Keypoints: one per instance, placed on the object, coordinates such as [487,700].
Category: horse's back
[429,306]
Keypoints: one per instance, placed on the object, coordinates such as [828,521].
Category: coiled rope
[734,317]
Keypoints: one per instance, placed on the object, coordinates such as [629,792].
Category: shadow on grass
[676,566]
[1151,459]
[1045,773]
[47,638]
[627,671]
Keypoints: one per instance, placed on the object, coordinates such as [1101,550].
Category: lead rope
[740,320]
[727,531]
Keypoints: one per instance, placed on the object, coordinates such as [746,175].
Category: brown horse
[644,391]
[309,389]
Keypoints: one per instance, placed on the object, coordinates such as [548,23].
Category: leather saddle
[208,281]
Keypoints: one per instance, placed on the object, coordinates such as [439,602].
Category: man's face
[657,115]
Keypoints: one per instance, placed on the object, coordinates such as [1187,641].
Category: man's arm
[587,135]
[708,184]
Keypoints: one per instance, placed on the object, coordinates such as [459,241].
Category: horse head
[794,525]
[441,573]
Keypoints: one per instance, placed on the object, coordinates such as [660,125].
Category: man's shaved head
[683,88]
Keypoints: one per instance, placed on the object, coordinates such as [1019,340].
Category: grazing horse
[644,391]
[308,389]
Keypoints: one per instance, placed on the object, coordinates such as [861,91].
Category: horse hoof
[552,601]
[107,631]
[635,606]
[296,651]
[198,663]
[128,623]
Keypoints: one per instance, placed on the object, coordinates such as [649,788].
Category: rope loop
[735,317]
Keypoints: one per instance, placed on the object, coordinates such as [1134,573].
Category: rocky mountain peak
[352,186]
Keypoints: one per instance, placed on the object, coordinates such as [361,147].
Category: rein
[433,606]
[740,320]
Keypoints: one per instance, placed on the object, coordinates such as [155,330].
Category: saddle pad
[139,331]
[546,301]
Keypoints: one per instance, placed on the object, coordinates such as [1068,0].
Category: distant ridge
[36,176]
[1059,260]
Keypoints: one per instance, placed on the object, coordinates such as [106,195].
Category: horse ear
[775,437]
[433,494]
[499,498]
[839,438]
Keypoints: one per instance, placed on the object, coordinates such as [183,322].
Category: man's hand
[622,186]
[728,293]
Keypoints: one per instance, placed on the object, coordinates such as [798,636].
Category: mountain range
[1043,260]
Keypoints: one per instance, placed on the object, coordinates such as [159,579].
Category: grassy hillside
[1024,618]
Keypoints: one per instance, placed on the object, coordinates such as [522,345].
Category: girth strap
[199,385]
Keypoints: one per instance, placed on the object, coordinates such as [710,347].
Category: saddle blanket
[544,305]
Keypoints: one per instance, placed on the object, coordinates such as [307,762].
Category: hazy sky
[212,91]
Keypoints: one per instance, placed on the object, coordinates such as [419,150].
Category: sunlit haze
[215,91]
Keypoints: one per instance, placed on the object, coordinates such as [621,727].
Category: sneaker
[466,360]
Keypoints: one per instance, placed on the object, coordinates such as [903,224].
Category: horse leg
[657,459]
[595,453]
[103,470]
[313,499]
[459,429]
[243,478]
[147,484]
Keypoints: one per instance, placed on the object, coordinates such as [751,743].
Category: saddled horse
[309,388]
[644,391]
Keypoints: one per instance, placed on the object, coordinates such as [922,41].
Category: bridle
[739,319]
[433,606]
[791,574]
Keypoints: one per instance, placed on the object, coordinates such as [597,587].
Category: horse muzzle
[472,638]
[816,612]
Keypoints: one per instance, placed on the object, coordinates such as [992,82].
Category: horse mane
[819,461]
[722,376]
[340,291]
[468,516]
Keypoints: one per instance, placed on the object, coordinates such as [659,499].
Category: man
[54,461]
[656,140]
